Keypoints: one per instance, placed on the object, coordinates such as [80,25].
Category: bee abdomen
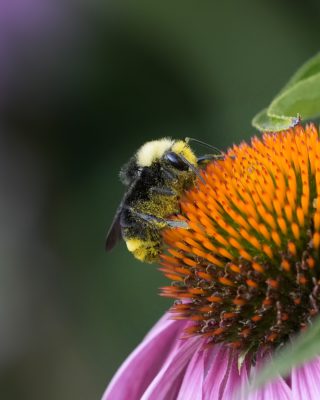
[144,250]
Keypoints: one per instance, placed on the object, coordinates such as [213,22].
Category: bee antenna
[188,139]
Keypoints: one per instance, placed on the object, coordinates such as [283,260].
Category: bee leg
[168,222]
[168,173]
[166,191]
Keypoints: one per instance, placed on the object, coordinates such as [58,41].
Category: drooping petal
[274,390]
[172,370]
[305,381]
[191,388]
[140,368]
[217,366]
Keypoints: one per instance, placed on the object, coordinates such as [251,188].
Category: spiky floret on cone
[247,270]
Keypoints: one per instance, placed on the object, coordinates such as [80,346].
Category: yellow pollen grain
[295,230]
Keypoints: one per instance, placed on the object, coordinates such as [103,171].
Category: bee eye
[176,161]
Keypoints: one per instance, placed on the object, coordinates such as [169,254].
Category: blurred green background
[82,85]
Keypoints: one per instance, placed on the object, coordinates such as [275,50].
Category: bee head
[174,152]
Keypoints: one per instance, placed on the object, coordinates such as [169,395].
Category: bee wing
[169,222]
[114,233]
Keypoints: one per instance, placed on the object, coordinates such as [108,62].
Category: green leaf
[309,68]
[264,122]
[300,96]
[303,348]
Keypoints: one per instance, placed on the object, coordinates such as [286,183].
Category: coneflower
[245,277]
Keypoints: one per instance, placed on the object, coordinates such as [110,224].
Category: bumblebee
[155,177]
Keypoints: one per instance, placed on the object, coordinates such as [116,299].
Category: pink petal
[191,388]
[172,370]
[136,373]
[217,366]
[305,381]
[234,380]
[275,390]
